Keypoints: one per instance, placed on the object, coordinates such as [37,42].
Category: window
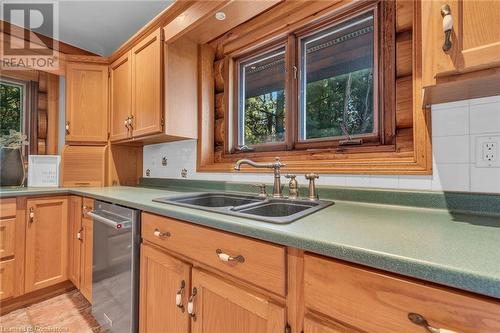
[337,81]
[12,106]
[261,115]
[316,89]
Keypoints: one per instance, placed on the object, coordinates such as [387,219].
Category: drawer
[7,237]
[7,208]
[6,279]
[377,302]
[264,263]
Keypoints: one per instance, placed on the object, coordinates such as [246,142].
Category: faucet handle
[262,189]
[278,162]
[311,176]
[313,195]
[290,176]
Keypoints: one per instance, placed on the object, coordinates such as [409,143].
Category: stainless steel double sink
[267,209]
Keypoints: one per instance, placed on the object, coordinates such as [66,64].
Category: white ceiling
[102,26]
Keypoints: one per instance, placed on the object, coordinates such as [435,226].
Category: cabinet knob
[420,320]
[32,215]
[67,127]
[161,234]
[190,306]
[178,296]
[227,258]
[447,26]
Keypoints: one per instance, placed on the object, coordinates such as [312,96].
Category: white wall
[455,129]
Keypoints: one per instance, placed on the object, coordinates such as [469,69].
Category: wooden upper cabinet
[162,277]
[147,92]
[46,242]
[475,39]
[86,103]
[221,306]
[121,97]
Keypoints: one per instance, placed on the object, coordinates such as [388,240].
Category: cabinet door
[86,103]
[475,36]
[121,94]
[162,277]
[75,239]
[147,91]
[6,279]
[46,242]
[221,306]
[86,252]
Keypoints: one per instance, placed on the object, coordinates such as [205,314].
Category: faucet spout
[276,166]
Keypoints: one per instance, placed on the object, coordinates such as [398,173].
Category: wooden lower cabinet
[221,306]
[86,252]
[375,301]
[6,279]
[46,242]
[74,239]
[162,277]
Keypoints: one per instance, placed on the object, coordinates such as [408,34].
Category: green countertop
[460,250]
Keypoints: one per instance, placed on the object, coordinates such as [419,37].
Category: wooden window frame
[292,45]
[399,151]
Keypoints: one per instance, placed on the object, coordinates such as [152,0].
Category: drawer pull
[190,307]
[420,320]
[178,296]
[160,234]
[227,258]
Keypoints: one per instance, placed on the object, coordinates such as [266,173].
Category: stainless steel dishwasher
[115,267]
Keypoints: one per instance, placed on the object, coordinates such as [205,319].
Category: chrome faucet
[276,166]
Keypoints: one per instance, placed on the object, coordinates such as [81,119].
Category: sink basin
[212,200]
[271,210]
[278,208]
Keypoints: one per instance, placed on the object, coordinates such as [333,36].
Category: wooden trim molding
[406,148]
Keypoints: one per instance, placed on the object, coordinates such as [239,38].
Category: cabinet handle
[129,121]
[190,307]
[79,234]
[178,296]
[85,210]
[32,215]
[447,26]
[67,127]
[420,320]
[227,258]
[161,234]
[125,122]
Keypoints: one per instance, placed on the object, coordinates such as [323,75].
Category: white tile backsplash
[455,126]
[485,118]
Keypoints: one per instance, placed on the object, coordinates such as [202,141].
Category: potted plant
[12,171]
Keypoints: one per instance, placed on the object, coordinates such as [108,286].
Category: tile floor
[68,313]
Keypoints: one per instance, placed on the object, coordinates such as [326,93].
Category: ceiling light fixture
[221,16]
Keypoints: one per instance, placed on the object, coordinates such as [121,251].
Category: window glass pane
[11,107]
[337,88]
[262,99]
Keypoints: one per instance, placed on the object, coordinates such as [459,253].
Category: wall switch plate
[487,152]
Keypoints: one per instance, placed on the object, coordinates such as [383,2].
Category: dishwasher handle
[109,222]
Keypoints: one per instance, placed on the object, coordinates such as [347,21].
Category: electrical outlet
[487,152]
